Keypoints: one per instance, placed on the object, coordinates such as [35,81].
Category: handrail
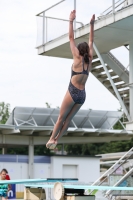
[109,8]
[44,22]
[63,20]
[118,62]
[120,181]
[112,167]
[121,161]
[50,8]
[114,6]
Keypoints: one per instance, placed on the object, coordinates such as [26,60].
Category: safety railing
[116,5]
[50,28]
[125,70]
[113,168]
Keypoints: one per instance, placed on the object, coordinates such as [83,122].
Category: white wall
[41,170]
[20,171]
[16,171]
[88,169]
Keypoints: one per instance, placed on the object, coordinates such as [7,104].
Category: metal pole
[112,83]
[31,158]
[50,7]
[113,6]
[43,30]
[13,116]
[75,19]
[131,78]
[46,28]
[63,149]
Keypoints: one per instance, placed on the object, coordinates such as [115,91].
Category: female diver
[75,95]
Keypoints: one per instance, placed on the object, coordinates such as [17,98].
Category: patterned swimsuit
[78,95]
[3,190]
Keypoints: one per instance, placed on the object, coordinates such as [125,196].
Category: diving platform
[111,31]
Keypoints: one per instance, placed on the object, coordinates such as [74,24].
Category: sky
[30,80]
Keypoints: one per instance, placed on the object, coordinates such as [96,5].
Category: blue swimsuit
[78,95]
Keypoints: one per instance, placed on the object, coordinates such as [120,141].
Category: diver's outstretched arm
[73,47]
[91,37]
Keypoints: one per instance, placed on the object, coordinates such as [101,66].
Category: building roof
[31,124]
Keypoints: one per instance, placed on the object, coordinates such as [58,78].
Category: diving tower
[113,28]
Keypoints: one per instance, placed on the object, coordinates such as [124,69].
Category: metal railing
[43,36]
[118,63]
[113,168]
[44,23]
[120,181]
[114,7]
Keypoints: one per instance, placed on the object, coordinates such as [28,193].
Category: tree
[48,105]
[4,112]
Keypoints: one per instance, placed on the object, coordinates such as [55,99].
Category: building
[85,168]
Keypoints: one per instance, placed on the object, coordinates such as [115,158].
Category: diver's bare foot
[51,144]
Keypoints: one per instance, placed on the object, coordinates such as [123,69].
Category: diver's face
[3,175]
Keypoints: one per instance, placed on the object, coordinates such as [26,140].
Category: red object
[7,177]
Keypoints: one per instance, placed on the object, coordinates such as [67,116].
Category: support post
[131,79]
[4,151]
[113,6]
[129,125]
[3,142]
[46,28]
[43,30]
[63,149]
[31,158]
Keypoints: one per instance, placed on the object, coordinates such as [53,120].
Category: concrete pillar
[129,125]
[131,79]
[63,149]
[31,158]
[4,150]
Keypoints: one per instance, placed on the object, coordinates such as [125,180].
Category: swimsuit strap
[83,65]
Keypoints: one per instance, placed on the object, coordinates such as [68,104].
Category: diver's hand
[72,15]
[92,19]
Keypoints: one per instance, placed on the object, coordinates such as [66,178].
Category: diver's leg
[70,116]
[66,107]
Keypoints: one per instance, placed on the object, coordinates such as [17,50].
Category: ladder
[119,75]
[124,159]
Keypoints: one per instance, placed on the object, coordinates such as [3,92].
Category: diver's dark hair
[4,170]
[84,51]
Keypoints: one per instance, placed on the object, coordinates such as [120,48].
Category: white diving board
[25,181]
[48,180]
[84,187]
